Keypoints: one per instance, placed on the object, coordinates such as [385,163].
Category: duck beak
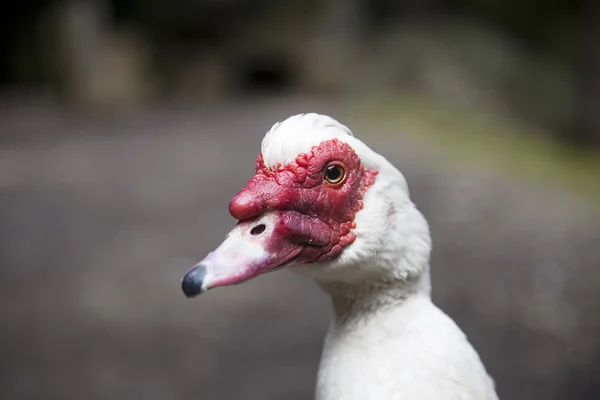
[252,248]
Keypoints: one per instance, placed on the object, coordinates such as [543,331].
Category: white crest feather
[298,134]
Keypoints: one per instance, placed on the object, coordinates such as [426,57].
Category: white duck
[325,205]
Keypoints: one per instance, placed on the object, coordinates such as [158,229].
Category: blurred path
[100,217]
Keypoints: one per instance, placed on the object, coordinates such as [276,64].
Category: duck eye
[334,174]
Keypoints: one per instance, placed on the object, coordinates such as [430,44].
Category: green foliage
[474,138]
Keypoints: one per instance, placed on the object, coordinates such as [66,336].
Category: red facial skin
[311,212]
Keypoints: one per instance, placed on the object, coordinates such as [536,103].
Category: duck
[326,206]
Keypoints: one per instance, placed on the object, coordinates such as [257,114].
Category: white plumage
[388,340]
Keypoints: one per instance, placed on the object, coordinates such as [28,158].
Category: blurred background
[126,127]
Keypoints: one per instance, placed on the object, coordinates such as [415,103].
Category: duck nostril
[258,229]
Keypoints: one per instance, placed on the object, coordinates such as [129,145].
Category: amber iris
[334,174]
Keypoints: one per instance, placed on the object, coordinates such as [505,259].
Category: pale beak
[252,248]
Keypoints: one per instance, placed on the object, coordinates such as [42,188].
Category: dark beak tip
[191,284]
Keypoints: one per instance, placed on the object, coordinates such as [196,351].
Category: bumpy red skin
[311,212]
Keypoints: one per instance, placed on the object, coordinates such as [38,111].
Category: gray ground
[100,217]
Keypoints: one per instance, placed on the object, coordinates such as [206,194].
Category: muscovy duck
[325,205]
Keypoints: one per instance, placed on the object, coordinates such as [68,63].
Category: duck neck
[361,300]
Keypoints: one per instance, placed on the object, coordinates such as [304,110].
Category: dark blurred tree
[588,130]
[20,47]
[562,31]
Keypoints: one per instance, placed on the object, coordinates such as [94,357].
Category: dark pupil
[333,173]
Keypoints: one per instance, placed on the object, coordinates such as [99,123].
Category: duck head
[323,204]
